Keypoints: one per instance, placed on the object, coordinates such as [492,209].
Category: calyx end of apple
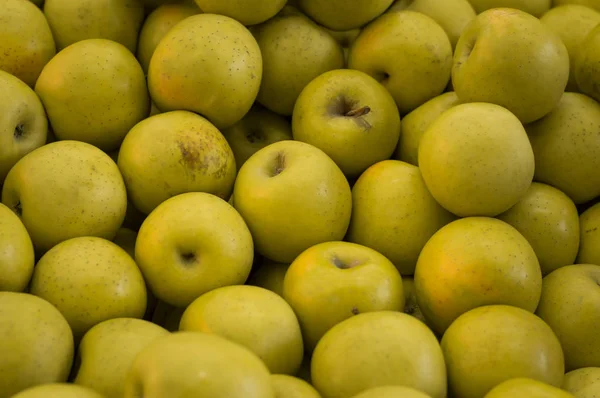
[342,264]
[188,258]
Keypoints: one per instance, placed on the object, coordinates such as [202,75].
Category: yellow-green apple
[350,116]
[230,61]
[292,196]
[269,275]
[472,262]
[392,392]
[94,91]
[585,65]
[333,281]
[572,22]
[589,243]
[548,219]
[24,126]
[416,123]
[452,15]
[156,26]
[407,52]
[75,20]
[259,128]
[295,50]
[565,145]
[528,71]
[248,12]
[595,4]
[173,153]
[191,364]
[534,7]
[343,14]
[491,344]
[27,43]
[394,213]
[193,243]
[108,350]
[167,316]
[286,386]
[59,390]
[411,307]
[583,382]
[526,387]
[570,304]
[378,349]
[64,190]
[476,159]
[251,316]
[36,343]
[17,256]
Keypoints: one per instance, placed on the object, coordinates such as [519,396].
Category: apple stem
[358,112]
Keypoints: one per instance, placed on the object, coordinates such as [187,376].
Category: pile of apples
[301,199]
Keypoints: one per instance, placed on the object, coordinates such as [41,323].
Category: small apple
[589,246]
[392,392]
[292,387]
[583,382]
[58,390]
[344,14]
[269,275]
[526,387]
[248,12]
[534,7]
[17,256]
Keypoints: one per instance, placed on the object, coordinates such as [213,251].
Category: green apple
[583,382]
[230,61]
[248,12]
[491,344]
[75,20]
[452,15]
[292,387]
[295,50]
[526,387]
[408,53]
[125,239]
[570,305]
[572,22]
[378,349]
[416,123]
[259,128]
[586,67]
[472,262]
[394,213]
[565,145]
[192,364]
[24,126]
[350,116]
[156,26]
[66,189]
[269,275]
[333,281]
[193,243]
[534,7]
[528,71]
[95,98]
[595,4]
[36,343]
[476,159]
[108,350]
[589,246]
[411,307]
[173,153]
[344,14]
[548,219]
[27,43]
[391,392]
[167,316]
[17,256]
[253,317]
[58,390]
[292,196]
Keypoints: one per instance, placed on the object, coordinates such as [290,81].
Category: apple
[259,128]
[292,387]
[229,57]
[583,382]
[408,53]
[27,43]
[476,159]
[344,14]
[350,116]
[411,307]
[391,392]
[167,316]
[173,153]
[248,12]
[295,50]
[491,344]
[394,213]
[188,364]
[548,219]
[570,304]
[269,275]
[586,64]
[107,351]
[58,390]
[526,387]
[377,349]
[534,7]
[595,4]
[24,126]
[17,256]
[193,243]
[565,145]
[589,247]
[292,196]
[36,343]
[528,71]
[75,20]
[64,190]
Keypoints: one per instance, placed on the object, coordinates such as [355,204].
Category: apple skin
[528,72]
[589,246]
[391,392]
[504,342]
[583,382]
[343,15]
[407,52]
[24,126]
[58,390]
[534,7]
[570,304]
[526,387]
[322,118]
[17,256]
[292,387]
[586,65]
[247,12]
[595,4]
[376,349]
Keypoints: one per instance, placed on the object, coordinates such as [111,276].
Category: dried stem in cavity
[279,164]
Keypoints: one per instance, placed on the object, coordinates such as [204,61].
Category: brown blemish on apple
[279,164]
[19,131]
[18,208]
[342,106]
[195,158]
